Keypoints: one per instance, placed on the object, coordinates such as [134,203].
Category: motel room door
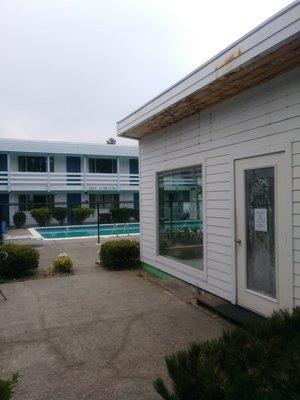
[261,233]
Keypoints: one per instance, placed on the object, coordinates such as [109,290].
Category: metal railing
[53,181]
[102,214]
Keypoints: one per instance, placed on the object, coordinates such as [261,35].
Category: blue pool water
[86,231]
[62,232]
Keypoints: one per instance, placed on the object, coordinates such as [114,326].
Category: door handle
[238,241]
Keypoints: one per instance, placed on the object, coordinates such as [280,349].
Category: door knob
[238,241]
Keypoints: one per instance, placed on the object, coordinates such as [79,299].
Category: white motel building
[219,159]
[34,172]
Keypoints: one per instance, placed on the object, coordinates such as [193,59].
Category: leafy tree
[19,219]
[41,215]
[82,213]
[60,214]
[111,140]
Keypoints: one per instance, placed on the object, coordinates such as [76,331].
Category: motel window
[180,216]
[34,164]
[103,165]
[30,201]
[106,200]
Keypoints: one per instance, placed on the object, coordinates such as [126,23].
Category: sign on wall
[103,187]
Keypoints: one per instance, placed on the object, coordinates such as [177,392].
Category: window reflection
[180,216]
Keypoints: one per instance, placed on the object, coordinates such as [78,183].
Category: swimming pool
[83,231]
[72,232]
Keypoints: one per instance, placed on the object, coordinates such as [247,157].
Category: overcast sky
[69,69]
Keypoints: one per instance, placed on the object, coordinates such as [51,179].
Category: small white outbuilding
[220,170]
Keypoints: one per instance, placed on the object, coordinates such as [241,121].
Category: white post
[84,172]
[118,172]
[48,173]
[8,173]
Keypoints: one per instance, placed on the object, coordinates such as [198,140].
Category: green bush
[261,362]
[105,218]
[122,215]
[41,215]
[22,261]
[7,387]
[120,254]
[63,264]
[59,214]
[19,219]
[82,213]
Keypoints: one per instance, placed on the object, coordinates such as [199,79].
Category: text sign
[261,219]
[103,187]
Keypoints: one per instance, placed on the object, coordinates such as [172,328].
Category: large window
[180,216]
[29,201]
[106,200]
[34,164]
[103,165]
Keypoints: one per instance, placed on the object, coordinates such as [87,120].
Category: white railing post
[48,173]
[84,173]
[8,173]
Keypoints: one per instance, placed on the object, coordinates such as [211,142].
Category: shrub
[19,219]
[41,215]
[122,215]
[261,362]
[120,254]
[82,213]
[63,264]
[22,261]
[7,387]
[105,218]
[59,214]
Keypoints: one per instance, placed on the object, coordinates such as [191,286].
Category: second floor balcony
[67,181]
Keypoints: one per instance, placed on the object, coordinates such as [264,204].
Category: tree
[111,140]
[60,214]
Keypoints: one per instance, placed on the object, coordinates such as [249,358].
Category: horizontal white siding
[253,122]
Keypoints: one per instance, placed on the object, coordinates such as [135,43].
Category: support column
[8,173]
[118,172]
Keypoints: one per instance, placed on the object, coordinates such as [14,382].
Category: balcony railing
[64,181]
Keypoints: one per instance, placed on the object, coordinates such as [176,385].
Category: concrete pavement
[95,334]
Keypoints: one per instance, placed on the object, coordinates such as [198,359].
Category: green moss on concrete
[156,272]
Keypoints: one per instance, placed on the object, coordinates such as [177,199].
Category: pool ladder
[126,228]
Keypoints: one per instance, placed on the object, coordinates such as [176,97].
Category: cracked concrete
[95,334]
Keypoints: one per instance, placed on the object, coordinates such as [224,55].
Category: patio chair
[3,256]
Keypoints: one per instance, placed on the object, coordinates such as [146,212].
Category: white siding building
[36,172]
[220,170]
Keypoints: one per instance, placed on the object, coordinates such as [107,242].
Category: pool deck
[95,334]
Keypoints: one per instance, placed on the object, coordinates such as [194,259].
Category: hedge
[41,215]
[63,264]
[120,254]
[22,261]
[19,219]
[122,215]
[261,362]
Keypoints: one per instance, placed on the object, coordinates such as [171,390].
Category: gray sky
[69,69]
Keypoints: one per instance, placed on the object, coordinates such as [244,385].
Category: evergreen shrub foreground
[22,261]
[7,387]
[120,254]
[257,363]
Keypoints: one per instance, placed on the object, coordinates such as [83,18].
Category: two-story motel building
[34,172]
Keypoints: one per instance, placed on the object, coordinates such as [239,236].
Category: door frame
[257,151]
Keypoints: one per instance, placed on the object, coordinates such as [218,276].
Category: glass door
[262,283]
